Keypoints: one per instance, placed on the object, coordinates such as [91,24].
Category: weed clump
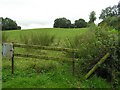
[33,38]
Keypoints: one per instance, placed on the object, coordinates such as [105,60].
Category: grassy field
[38,73]
[14,36]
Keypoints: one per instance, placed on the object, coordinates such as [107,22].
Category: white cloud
[42,13]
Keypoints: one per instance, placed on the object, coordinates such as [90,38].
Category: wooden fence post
[12,64]
[97,65]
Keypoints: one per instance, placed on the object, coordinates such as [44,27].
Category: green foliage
[9,24]
[72,26]
[32,73]
[62,23]
[105,13]
[65,23]
[59,33]
[80,23]
[113,22]
[92,17]
[110,15]
[24,38]
[43,39]
[4,37]
[118,6]
[88,50]
[95,82]
[93,45]
[109,40]
[109,12]
[18,27]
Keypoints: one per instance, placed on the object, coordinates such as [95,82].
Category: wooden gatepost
[97,65]
[8,52]
[69,50]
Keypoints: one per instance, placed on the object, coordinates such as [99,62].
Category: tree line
[80,23]
[109,16]
[9,24]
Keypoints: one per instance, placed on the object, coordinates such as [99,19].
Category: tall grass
[95,82]
[30,73]
[42,39]
[24,38]
[5,37]
[85,43]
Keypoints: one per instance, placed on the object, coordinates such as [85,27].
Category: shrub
[112,22]
[109,40]
[87,49]
[92,46]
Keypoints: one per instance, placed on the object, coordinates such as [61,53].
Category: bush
[109,40]
[92,46]
[113,22]
[87,49]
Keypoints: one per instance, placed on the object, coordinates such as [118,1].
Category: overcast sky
[42,13]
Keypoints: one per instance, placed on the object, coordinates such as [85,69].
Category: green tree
[81,23]
[115,10]
[62,23]
[9,24]
[92,17]
[118,6]
[72,26]
[113,22]
[18,27]
[105,13]
[111,16]
[109,12]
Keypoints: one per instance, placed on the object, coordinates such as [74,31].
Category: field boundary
[68,50]
[44,47]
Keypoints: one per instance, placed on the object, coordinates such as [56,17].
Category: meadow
[40,73]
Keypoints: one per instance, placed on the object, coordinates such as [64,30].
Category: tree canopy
[111,16]
[109,12]
[62,23]
[9,24]
[92,17]
[66,23]
[80,23]
[118,6]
